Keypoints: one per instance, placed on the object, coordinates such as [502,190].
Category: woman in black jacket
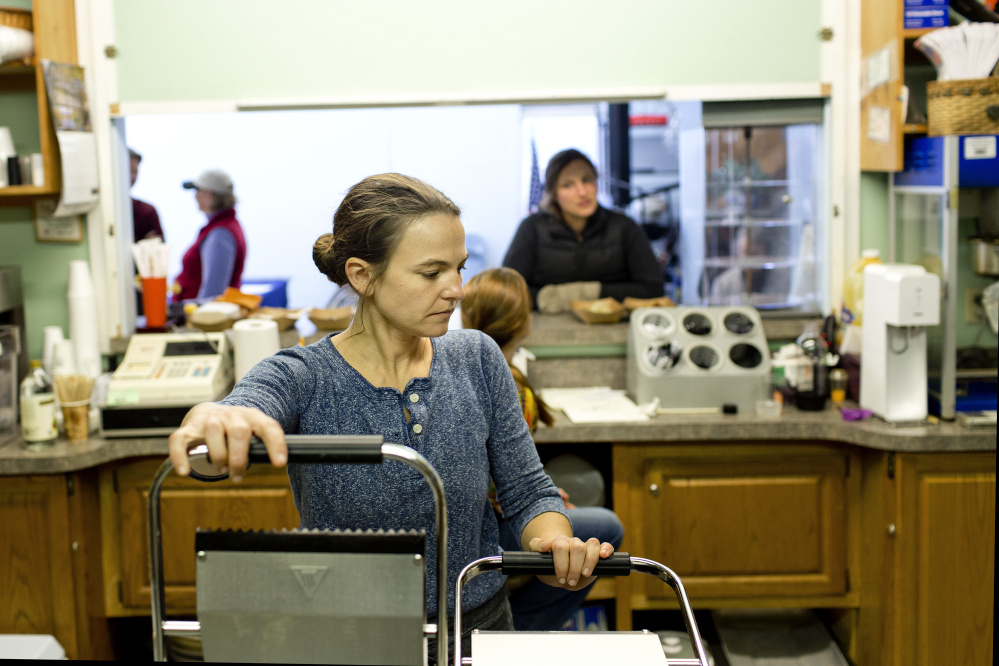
[576,249]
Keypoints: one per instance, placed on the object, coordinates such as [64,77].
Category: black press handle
[324,449]
[516,562]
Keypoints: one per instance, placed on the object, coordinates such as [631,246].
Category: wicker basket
[963,107]
[16,18]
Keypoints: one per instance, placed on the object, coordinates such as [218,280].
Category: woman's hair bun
[324,256]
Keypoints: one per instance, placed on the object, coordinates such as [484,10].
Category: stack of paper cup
[253,341]
[52,335]
[83,329]
[64,359]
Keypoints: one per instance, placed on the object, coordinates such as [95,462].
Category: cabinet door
[36,573]
[261,501]
[50,566]
[946,542]
[740,521]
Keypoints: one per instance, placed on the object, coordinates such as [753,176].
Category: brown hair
[558,162]
[370,222]
[498,303]
[221,202]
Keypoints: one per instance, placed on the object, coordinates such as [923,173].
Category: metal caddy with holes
[577,647]
[312,596]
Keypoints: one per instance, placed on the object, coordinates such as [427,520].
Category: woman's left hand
[574,559]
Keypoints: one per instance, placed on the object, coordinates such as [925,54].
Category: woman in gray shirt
[397,372]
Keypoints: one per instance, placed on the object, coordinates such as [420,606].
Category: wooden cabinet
[738,522]
[22,84]
[887,60]
[261,501]
[50,562]
[929,559]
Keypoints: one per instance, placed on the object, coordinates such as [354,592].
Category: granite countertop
[792,425]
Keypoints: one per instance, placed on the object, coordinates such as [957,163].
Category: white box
[29,646]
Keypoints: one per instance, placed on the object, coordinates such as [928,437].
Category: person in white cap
[215,260]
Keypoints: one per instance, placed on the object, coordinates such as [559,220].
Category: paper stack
[594,404]
[965,51]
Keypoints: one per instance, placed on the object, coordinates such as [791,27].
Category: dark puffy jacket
[614,252]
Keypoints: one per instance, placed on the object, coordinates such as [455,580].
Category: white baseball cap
[212,180]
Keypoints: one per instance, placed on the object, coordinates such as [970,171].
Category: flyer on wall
[65,86]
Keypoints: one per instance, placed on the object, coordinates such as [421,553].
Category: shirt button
[414,398]
[417,428]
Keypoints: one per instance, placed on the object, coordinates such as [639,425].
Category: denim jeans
[540,607]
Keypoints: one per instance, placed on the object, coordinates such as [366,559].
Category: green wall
[44,273]
[246,49]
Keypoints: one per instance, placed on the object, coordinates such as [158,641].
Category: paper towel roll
[253,341]
[83,328]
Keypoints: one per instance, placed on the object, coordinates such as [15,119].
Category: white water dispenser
[900,300]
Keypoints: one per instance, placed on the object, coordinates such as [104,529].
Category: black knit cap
[560,161]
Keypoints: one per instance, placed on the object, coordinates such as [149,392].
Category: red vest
[189,280]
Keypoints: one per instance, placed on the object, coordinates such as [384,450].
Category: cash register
[160,378]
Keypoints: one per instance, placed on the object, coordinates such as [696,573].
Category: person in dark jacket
[576,249]
[145,219]
[215,259]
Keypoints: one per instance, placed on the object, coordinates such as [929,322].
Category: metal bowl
[985,256]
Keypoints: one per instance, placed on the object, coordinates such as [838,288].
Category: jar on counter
[38,412]
[812,380]
[838,381]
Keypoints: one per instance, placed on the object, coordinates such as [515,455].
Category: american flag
[534,200]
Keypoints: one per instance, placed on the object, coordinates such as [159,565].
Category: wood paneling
[881,28]
[55,30]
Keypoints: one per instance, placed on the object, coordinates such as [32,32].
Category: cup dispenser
[698,357]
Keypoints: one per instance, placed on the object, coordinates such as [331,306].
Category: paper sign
[879,124]
[78,152]
[878,69]
[66,90]
[980,148]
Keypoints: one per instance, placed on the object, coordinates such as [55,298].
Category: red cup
[154,301]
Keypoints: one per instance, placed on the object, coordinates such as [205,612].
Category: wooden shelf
[54,23]
[27,191]
[25,67]
[916,33]
[910,128]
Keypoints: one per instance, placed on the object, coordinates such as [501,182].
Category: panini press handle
[541,564]
[322,450]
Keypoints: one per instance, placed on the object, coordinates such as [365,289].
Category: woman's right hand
[226,430]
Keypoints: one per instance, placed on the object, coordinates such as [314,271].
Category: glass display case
[750,197]
[923,231]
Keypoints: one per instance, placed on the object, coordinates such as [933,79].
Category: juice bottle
[852,310]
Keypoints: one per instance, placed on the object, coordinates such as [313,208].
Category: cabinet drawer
[261,501]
